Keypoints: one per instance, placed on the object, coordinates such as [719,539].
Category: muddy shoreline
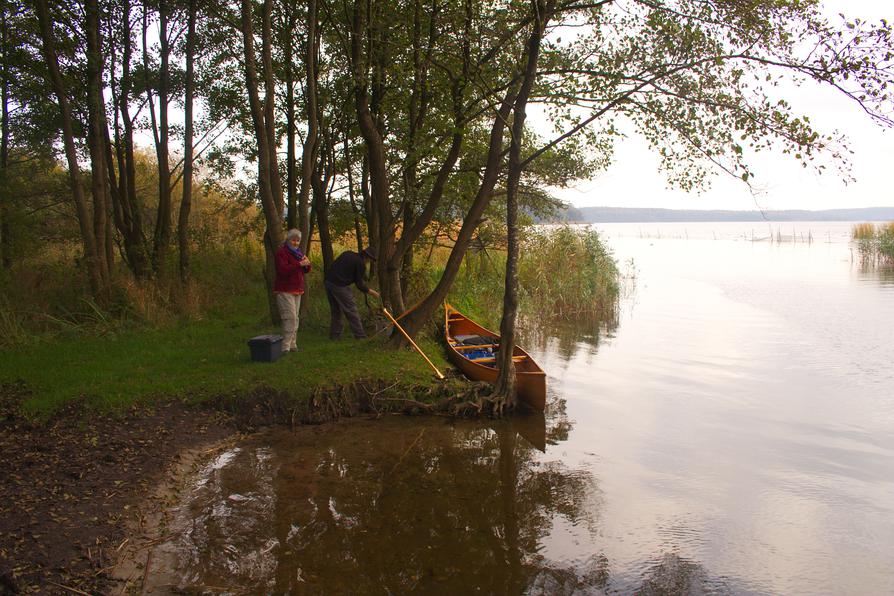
[78,488]
[143,531]
[74,484]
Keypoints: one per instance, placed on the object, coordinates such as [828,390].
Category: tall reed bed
[568,273]
[565,273]
[875,242]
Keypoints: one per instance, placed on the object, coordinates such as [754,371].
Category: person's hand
[305,262]
[374,293]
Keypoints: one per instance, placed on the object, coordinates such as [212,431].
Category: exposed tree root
[453,397]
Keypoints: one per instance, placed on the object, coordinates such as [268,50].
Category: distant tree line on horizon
[572,214]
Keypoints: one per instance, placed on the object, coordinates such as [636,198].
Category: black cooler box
[265,348]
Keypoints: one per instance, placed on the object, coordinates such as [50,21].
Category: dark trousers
[341,301]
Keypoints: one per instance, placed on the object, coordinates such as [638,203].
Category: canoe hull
[530,380]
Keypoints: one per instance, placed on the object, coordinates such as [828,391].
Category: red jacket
[289,272]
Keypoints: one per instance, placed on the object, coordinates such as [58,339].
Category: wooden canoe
[530,380]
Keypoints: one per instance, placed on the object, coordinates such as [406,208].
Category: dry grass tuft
[863,231]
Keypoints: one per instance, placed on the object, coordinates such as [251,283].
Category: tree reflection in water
[401,506]
[391,506]
[564,338]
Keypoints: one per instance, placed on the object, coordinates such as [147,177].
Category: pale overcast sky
[634,180]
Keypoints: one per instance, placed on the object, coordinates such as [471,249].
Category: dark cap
[369,253]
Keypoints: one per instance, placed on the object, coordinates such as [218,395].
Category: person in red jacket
[291,266]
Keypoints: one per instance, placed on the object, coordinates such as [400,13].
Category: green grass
[197,361]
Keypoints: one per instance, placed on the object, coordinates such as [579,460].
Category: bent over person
[291,266]
[349,268]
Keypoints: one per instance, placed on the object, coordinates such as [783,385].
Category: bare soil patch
[71,485]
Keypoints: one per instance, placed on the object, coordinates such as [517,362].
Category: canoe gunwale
[530,384]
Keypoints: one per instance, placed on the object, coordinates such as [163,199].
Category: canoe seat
[460,347]
[492,359]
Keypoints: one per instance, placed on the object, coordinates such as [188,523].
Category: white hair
[293,233]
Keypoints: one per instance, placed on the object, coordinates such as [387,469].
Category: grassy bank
[152,343]
[198,361]
[156,341]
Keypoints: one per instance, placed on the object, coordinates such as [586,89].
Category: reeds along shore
[564,273]
[47,298]
[875,242]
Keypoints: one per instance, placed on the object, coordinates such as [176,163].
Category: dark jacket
[289,272]
[348,269]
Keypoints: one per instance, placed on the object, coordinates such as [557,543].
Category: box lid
[265,339]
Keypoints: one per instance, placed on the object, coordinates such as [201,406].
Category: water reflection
[733,435]
[673,575]
[391,506]
[876,273]
[565,338]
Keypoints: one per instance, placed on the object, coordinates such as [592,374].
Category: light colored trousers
[288,305]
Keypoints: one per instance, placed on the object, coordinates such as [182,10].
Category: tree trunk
[358,229]
[416,223]
[163,222]
[269,189]
[186,200]
[5,194]
[129,217]
[270,113]
[324,177]
[378,175]
[48,49]
[309,151]
[96,136]
[372,219]
[414,321]
[321,211]
[505,383]
[291,117]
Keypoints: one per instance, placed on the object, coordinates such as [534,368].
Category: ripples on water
[733,435]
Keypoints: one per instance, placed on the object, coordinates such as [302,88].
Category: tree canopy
[392,118]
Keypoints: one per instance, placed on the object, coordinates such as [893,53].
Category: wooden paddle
[412,343]
[396,319]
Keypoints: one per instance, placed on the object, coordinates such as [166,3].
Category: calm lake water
[732,434]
